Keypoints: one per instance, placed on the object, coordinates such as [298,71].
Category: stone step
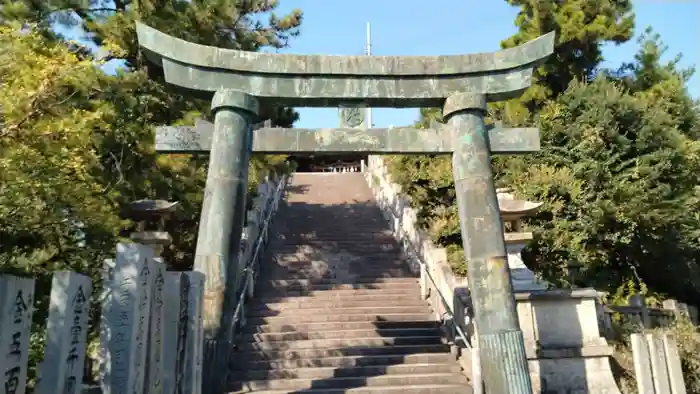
[332,372]
[331,311]
[358,280]
[274,354]
[336,293]
[340,317]
[340,343]
[415,389]
[335,246]
[372,269]
[369,236]
[353,382]
[285,327]
[280,295]
[358,251]
[412,285]
[342,362]
[336,334]
[383,241]
[280,272]
[291,261]
[352,302]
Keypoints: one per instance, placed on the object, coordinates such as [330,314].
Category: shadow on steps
[337,308]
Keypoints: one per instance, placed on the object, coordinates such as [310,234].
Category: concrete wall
[564,346]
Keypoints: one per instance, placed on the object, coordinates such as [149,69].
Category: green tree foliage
[618,179]
[581,26]
[55,210]
[618,168]
[76,144]
[663,82]
[130,166]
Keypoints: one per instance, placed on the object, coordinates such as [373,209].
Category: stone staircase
[336,309]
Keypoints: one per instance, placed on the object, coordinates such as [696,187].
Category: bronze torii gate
[462,85]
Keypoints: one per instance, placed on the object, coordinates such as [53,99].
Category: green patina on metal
[398,140]
[461,85]
[332,81]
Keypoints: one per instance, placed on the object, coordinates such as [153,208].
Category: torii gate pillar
[223,209]
[501,343]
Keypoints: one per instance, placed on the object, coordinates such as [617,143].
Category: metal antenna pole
[368,52]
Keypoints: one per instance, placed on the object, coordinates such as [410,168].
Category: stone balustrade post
[638,301]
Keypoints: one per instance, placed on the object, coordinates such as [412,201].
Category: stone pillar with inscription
[156,330]
[126,299]
[66,334]
[182,359]
[501,342]
[16,308]
[221,224]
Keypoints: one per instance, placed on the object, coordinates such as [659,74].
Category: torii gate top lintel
[330,81]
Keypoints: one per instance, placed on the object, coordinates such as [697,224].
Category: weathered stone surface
[642,364]
[318,80]
[16,308]
[195,350]
[66,334]
[125,319]
[183,292]
[404,140]
[673,364]
[165,46]
[352,117]
[156,334]
[659,371]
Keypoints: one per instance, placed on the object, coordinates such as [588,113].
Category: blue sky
[445,27]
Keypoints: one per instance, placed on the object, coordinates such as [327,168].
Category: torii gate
[462,85]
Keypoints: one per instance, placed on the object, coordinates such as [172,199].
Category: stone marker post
[182,359]
[156,331]
[125,319]
[642,364]
[659,371]
[16,308]
[501,343]
[195,351]
[66,334]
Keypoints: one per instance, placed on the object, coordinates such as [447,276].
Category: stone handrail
[418,246]
[637,313]
[254,240]
[565,350]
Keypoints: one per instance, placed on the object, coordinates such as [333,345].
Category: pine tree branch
[82,12]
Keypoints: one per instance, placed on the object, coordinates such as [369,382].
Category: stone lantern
[150,216]
[512,211]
